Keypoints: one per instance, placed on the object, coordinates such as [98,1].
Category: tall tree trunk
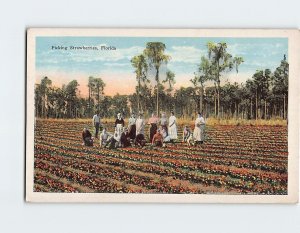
[157,94]
[157,98]
[222,115]
[284,107]
[201,99]
[200,104]
[218,82]
[46,105]
[218,102]
[36,109]
[235,110]
[90,101]
[98,100]
[138,96]
[256,107]
[215,99]
[265,109]
[251,109]
[42,107]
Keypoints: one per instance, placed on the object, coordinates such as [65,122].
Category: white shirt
[117,137]
[199,121]
[96,119]
[105,136]
[172,121]
[131,121]
[139,126]
[202,121]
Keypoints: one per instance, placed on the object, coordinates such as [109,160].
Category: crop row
[246,182]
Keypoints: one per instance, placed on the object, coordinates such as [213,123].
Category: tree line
[263,96]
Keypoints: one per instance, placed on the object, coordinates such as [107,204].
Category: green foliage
[155,54]
[219,61]
[280,79]
[265,95]
[141,68]
[96,91]
[170,79]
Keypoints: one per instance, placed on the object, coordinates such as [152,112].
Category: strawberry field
[234,160]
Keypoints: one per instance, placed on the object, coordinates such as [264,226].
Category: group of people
[162,131]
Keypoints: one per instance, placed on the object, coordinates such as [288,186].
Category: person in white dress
[132,126]
[164,122]
[172,127]
[140,125]
[199,129]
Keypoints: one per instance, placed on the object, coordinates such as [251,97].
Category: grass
[209,121]
[214,121]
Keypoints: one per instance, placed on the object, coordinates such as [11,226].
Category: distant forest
[264,96]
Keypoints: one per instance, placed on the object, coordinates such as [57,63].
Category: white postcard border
[293,117]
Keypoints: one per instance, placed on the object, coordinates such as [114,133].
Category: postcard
[162,115]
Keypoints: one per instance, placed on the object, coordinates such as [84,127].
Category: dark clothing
[86,134]
[125,140]
[87,138]
[140,140]
[88,142]
[157,139]
[158,143]
[153,129]
[119,122]
[112,143]
[198,142]
[97,126]
[132,132]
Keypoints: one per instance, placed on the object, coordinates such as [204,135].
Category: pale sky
[114,66]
